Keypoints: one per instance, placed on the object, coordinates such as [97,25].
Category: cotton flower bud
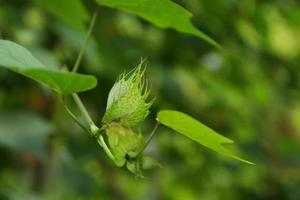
[125,143]
[127,100]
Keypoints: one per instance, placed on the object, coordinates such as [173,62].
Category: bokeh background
[249,92]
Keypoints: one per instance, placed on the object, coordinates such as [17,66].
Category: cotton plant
[128,103]
[127,106]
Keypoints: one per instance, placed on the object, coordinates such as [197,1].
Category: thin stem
[149,139]
[83,110]
[88,36]
[73,116]
[102,143]
[94,130]
[75,96]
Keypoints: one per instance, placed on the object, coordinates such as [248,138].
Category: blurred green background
[249,92]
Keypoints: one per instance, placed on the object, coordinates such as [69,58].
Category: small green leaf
[162,13]
[20,60]
[196,131]
[72,13]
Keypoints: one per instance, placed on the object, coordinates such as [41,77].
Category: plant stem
[83,110]
[149,139]
[102,143]
[75,96]
[94,130]
[73,116]
[88,36]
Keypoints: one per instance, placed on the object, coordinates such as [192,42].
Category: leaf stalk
[87,38]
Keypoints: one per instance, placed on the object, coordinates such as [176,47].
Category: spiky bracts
[127,106]
[127,100]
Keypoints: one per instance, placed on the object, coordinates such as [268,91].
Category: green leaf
[24,131]
[195,130]
[162,13]
[20,60]
[72,13]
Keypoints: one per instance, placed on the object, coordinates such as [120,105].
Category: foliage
[163,13]
[18,59]
[126,105]
[73,13]
[248,92]
[198,132]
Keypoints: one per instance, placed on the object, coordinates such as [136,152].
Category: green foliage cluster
[126,105]
[246,89]
[18,59]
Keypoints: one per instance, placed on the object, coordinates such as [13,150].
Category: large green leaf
[20,60]
[162,13]
[196,131]
[70,12]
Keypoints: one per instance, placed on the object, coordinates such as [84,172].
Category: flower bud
[123,142]
[126,102]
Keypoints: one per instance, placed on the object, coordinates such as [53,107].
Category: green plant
[127,104]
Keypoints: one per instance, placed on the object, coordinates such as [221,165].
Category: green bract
[125,144]
[126,102]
